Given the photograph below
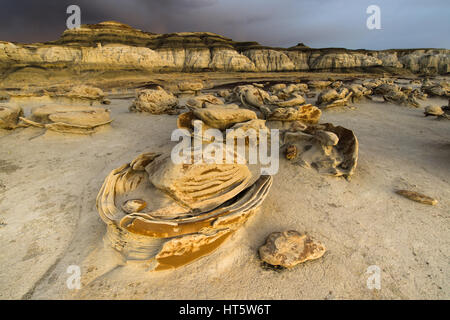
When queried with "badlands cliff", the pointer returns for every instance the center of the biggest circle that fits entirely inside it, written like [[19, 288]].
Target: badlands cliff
[[112, 46]]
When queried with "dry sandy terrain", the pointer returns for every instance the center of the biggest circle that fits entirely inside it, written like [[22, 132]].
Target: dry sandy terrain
[[48, 186]]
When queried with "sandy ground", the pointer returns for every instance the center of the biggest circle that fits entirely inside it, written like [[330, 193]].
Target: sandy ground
[[48, 220]]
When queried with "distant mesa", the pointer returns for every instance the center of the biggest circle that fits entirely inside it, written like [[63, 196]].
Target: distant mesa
[[115, 46]]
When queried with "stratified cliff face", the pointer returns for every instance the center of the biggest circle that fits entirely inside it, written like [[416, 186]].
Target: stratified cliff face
[[116, 46]]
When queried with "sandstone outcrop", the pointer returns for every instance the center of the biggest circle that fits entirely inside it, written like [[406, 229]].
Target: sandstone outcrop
[[192, 208], [9, 116], [113, 46]]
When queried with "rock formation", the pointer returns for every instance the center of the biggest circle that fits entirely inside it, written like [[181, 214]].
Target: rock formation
[[9, 116], [112, 46], [155, 101], [331, 150], [306, 113], [290, 248], [69, 119], [191, 209]]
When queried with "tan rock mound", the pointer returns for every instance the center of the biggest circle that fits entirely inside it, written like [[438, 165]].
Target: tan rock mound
[[9, 116], [290, 248], [201, 100], [191, 208], [359, 92], [439, 89], [297, 100], [223, 118], [155, 101], [395, 94], [251, 96], [306, 113], [433, 111], [69, 119], [319, 84], [334, 98], [86, 92], [190, 86]]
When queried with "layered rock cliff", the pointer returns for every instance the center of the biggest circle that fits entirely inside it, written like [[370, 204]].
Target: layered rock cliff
[[116, 46]]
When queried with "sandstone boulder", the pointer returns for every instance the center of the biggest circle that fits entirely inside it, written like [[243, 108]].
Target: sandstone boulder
[[155, 101], [306, 113], [190, 86], [433, 111], [201, 100], [223, 118], [69, 119], [290, 248]]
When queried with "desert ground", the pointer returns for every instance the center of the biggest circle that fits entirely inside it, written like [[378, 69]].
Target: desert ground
[[48, 219]]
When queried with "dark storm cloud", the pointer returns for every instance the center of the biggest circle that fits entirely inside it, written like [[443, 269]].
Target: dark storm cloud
[[326, 23]]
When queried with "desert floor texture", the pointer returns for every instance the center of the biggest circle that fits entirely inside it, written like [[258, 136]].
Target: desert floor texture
[[48, 220]]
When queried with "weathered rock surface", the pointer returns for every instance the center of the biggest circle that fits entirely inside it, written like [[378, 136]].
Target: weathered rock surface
[[9, 116], [201, 101], [116, 46], [306, 113], [334, 98], [223, 118], [69, 119], [155, 101], [190, 86], [418, 197], [290, 248], [433, 111], [331, 150], [192, 208], [86, 92]]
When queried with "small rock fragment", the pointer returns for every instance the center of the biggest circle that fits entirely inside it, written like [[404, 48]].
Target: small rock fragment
[[416, 196], [291, 152], [135, 205]]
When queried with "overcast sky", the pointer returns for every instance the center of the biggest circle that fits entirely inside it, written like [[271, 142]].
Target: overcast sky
[[284, 23]]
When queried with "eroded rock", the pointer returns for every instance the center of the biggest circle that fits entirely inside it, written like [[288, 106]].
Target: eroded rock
[[306, 113], [201, 100], [433, 111], [331, 150], [155, 101], [290, 248], [334, 98], [9, 116], [416, 196], [223, 118], [192, 208], [69, 119]]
